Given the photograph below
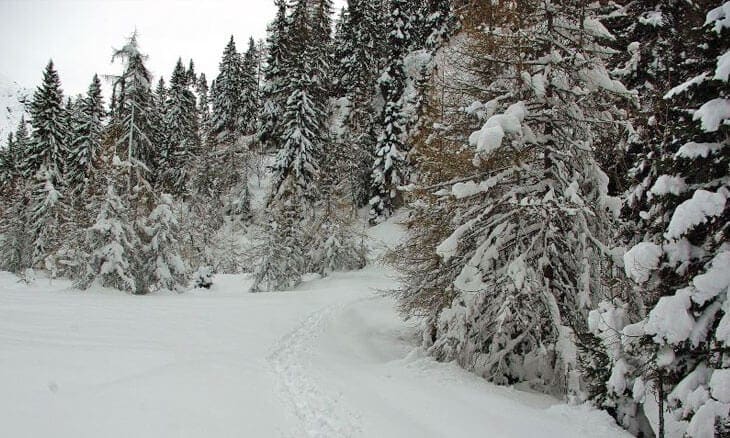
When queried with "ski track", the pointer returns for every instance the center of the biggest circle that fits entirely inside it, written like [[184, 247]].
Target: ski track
[[322, 414]]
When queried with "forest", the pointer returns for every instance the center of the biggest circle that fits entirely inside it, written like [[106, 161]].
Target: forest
[[561, 168]]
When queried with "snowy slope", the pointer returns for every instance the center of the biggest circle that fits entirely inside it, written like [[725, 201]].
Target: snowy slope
[[11, 106], [331, 359]]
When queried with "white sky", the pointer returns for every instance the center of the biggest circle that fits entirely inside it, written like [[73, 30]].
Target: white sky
[[79, 35]]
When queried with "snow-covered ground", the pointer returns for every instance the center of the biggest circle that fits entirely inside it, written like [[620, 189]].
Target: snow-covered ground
[[331, 359]]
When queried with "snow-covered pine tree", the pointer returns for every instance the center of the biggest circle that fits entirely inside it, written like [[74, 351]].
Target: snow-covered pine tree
[[47, 214], [15, 243], [182, 141], [191, 75], [47, 147], [159, 101], [87, 135], [647, 33], [525, 256], [683, 261], [13, 154], [320, 50], [296, 167], [357, 63], [7, 160], [227, 95], [134, 118], [274, 92], [162, 250], [204, 117], [440, 23], [389, 169], [282, 260], [15, 190], [113, 249], [250, 105]]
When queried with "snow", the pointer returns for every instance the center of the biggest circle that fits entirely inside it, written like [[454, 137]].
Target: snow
[[490, 137], [652, 18], [470, 188], [11, 106], [695, 150], [722, 72], [703, 421], [714, 281], [720, 385], [684, 86], [713, 113], [719, 17], [640, 260], [330, 359], [597, 29], [670, 320], [693, 212], [669, 184]]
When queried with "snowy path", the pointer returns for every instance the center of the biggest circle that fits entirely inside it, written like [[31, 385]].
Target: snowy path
[[321, 414], [329, 360]]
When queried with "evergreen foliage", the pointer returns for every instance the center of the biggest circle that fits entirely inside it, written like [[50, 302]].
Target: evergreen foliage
[[88, 131], [227, 94]]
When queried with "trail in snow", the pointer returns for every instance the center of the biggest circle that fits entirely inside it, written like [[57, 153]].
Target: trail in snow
[[331, 359], [322, 413]]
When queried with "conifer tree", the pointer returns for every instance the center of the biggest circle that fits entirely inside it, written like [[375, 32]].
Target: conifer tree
[[87, 137], [204, 121], [515, 242], [440, 23], [296, 167], [227, 97], [47, 147], [182, 141], [389, 169], [282, 256], [47, 214], [677, 352], [163, 249], [274, 92], [113, 254], [191, 75], [159, 101], [249, 90], [15, 189], [134, 117]]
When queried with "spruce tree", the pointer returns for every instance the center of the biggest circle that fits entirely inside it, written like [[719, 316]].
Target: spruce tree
[[87, 137], [182, 141], [161, 231], [296, 167], [47, 214], [389, 169], [203, 107], [113, 249], [282, 260], [135, 118], [274, 92], [159, 107], [227, 95], [47, 147], [678, 352], [249, 103]]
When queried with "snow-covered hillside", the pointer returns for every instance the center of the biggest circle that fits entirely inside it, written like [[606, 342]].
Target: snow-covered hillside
[[331, 359], [12, 108]]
